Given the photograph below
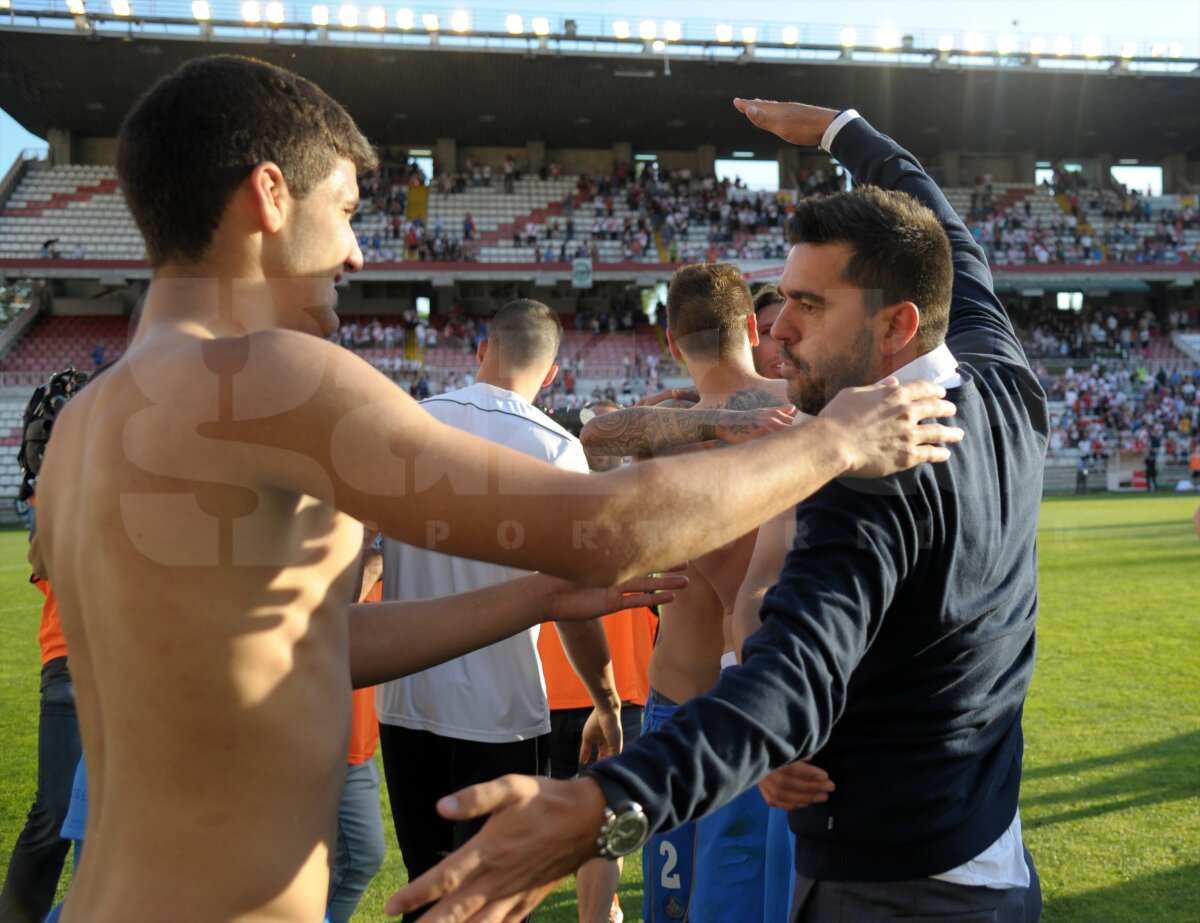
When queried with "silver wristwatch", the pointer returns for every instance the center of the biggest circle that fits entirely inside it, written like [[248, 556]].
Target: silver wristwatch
[[625, 825]]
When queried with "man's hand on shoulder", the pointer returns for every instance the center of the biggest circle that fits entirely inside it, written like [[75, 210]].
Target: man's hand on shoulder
[[795, 123], [879, 427]]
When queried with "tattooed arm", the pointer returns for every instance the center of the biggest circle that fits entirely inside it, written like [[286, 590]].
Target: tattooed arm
[[644, 431]]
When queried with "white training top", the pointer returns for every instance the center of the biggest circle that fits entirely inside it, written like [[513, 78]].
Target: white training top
[[496, 694]]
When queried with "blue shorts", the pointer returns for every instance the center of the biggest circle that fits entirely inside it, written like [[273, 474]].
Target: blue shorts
[[780, 878], [52, 916], [667, 858], [731, 853], [77, 812]]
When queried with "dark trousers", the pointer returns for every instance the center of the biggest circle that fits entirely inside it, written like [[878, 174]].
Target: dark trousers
[[421, 768], [925, 900], [39, 852]]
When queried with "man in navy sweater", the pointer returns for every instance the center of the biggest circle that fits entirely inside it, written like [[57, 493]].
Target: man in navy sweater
[[898, 644]]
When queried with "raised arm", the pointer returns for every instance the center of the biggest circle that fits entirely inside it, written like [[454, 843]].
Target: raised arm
[[977, 318]]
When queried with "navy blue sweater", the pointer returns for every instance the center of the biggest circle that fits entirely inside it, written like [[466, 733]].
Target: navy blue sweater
[[898, 645]]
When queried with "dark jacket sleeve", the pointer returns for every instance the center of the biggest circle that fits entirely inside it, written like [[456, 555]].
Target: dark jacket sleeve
[[783, 701], [979, 324]]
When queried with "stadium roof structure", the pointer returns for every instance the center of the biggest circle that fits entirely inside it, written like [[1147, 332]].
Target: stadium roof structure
[[84, 81]]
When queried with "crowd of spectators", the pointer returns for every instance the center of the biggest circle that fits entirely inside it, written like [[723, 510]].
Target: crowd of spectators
[[1112, 394], [651, 211], [1119, 406], [1093, 226], [1125, 333]]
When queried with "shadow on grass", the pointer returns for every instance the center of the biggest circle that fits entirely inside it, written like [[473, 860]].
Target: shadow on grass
[[1155, 773], [1166, 896]]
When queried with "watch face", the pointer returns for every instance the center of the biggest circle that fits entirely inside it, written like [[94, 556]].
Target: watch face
[[628, 832]]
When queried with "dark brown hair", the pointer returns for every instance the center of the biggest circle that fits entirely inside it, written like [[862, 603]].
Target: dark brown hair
[[198, 133], [766, 296], [900, 251], [707, 307], [527, 333]]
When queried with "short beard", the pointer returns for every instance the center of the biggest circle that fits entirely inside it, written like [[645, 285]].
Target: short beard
[[814, 388]]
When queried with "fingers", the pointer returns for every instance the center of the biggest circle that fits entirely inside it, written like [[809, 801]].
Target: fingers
[[651, 584], [637, 600], [938, 432], [797, 785], [932, 408], [481, 799], [443, 878]]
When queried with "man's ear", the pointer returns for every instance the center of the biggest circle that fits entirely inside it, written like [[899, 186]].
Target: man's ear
[[673, 347], [550, 375], [481, 349], [268, 196], [903, 320], [752, 328]]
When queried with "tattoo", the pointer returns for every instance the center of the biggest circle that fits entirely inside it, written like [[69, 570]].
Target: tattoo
[[752, 400], [646, 431]]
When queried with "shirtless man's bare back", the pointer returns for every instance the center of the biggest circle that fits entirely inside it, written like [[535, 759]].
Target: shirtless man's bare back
[[201, 506]]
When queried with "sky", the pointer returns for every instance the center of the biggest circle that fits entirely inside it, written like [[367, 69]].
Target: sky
[[1134, 20]]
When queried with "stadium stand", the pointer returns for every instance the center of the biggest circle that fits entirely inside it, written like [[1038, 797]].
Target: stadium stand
[[517, 185], [76, 212], [73, 211], [56, 343]]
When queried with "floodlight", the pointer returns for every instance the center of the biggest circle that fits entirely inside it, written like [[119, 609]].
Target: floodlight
[[659, 46], [121, 8], [973, 42], [251, 11], [460, 20], [1129, 50], [404, 19], [791, 35], [377, 17], [849, 37], [1006, 44], [201, 11], [1158, 50], [945, 43], [76, 7], [750, 35], [1037, 45], [431, 22], [541, 25], [1062, 46], [274, 13], [348, 15], [724, 33], [621, 29], [1092, 47], [672, 31], [5, 4], [320, 15], [1176, 49], [647, 30], [514, 24], [887, 38]]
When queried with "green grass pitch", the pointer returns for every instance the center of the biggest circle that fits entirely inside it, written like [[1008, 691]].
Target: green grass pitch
[[1111, 795]]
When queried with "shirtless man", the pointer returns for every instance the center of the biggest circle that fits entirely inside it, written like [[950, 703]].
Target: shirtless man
[[711, 869], [201, 506]]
